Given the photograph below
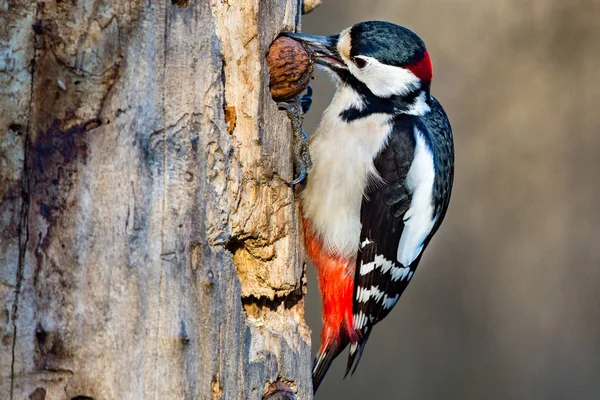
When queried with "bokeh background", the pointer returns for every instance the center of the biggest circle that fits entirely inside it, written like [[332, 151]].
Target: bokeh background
[[506, 303]]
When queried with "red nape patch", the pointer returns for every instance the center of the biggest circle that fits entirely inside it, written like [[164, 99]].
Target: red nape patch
[[336, 283], [422, 68]]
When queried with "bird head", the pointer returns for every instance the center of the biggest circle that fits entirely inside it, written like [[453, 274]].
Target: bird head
[[387, 65]]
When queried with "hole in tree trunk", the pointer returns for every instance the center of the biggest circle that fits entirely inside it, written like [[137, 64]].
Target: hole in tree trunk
[[38, 394], [16, 129], [181, 3]]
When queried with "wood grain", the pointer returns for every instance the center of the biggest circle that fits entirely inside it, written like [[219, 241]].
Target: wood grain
[[146, 252]]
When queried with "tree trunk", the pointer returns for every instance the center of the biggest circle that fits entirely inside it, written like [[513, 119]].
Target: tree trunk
[[150, 246]]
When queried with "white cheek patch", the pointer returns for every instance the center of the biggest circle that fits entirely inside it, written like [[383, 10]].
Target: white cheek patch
[[384, 80]]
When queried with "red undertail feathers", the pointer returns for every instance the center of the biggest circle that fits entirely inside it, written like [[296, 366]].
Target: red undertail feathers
[[336, 284]]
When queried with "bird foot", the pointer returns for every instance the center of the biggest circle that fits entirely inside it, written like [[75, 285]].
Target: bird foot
[[295, 110]]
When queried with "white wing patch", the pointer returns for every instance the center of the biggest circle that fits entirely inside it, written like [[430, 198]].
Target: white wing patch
[[418, 220]]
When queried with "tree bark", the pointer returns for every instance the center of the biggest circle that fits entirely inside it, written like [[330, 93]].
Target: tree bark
[[149, 244]]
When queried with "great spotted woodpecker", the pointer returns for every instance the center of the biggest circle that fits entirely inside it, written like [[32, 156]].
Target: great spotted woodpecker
[[380, 183]]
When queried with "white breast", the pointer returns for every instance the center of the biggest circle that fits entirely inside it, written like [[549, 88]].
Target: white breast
[[342, 155]]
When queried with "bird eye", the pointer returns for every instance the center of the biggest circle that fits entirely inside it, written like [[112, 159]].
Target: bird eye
[[359, 62]]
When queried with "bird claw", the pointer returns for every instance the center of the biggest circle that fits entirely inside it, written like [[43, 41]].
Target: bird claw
[[302, 175], [301, 154]]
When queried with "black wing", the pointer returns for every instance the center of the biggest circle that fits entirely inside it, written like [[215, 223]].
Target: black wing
[[443, 145], [380, 279]]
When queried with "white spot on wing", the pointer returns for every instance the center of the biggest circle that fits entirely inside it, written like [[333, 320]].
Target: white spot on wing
[[378, 262], [376, 293], [353, 347], [363, 295], [418, 220], [389, 302], [366, 268], [360, 294], [360, 320], [365, 243], [399, 273], [382, 262]]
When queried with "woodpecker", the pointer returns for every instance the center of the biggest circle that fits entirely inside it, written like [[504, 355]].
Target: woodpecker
[[380, 183]]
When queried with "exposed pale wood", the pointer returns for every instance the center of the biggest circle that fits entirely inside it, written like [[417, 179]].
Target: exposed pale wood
[[309, 5], [149, 248]]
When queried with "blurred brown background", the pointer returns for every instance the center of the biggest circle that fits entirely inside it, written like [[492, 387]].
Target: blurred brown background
[[506, 303]]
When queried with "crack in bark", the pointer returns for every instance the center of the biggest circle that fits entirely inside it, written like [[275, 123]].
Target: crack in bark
[[80, 71], [76, 69], [23, 233], [155, 139], [216, 384], [23, 229]]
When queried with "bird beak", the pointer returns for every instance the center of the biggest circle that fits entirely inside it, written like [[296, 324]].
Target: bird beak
[[323, 47]]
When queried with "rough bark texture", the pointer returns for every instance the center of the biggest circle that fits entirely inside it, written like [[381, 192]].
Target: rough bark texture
[[149, 245]]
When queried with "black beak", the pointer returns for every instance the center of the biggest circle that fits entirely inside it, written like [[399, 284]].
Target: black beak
[[324, 48]]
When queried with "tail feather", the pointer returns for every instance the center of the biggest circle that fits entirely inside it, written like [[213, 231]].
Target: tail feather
[[356, 350], [323, 361]]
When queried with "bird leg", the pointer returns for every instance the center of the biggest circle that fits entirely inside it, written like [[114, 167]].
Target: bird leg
[[295, 110]]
